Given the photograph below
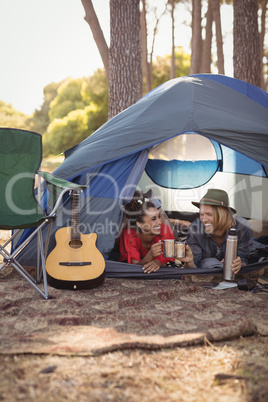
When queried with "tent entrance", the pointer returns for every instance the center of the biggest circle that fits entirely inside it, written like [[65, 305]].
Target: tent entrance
[[181, 169]]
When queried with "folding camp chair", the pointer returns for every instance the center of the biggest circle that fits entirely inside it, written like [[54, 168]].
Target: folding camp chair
[[20, 206]]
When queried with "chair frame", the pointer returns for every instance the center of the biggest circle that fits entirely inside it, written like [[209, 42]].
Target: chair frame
[[10, 258]]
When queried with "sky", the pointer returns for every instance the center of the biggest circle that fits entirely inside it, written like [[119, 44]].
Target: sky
[[44, 41]]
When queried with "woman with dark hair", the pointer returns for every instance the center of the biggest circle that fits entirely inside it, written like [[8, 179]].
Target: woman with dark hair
[[141, 242], [208, 233]]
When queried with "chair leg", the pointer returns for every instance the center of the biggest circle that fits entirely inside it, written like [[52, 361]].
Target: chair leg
[[10, 259], [43, 262], [28, 278], [42, 252]]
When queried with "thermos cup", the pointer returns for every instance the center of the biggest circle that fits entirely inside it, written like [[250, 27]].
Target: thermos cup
[[168, 248], [173, 249], [230, 255], [179, 249]]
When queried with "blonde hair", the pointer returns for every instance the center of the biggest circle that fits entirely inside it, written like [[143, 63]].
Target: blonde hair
[[223, 220]]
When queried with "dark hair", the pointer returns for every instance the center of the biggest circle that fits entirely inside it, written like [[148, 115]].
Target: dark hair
[[136, 209]]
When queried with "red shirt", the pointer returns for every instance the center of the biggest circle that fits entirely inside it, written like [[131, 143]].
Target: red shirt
[[132, 249]]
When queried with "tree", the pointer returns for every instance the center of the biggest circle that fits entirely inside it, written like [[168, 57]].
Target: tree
[[124, 55], [95, 89], [263, 4], [68, 98], [196, 37], [217, 19], [206, 48], [70, 130], [146, 65], [172, 66], [73, 128], [161, 67], [125, 73], [10, 117], [247, 57], [147, 56], [92, 20], [40, 119], [79, 108]]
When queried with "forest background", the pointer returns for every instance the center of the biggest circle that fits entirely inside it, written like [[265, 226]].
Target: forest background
[[74, 108]]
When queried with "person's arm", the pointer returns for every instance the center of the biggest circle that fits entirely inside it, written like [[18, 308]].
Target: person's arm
[[154, 251], [148, 262], [130, 247], [152, 266], [154, 258], [245, 240], [188, 259], [195, 247]]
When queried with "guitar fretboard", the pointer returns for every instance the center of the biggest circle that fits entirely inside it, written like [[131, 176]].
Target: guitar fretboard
[[75, 230]]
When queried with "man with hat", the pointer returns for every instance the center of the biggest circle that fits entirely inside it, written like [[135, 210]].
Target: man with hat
[[208, 233]]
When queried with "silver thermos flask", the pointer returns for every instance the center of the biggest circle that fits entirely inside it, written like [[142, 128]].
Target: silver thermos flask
[[230, 255]]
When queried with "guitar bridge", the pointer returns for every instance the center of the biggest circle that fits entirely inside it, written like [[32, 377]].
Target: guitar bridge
[[75, 263]]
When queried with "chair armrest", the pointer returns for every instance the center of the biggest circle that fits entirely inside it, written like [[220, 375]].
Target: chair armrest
[[56, 181], [59, 188]]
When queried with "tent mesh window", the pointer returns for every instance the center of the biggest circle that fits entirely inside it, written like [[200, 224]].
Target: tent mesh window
[[184, 162]]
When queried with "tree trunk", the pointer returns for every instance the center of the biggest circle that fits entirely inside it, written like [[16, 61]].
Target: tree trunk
[[196, 37], [262, 35], [125, 73], [146, 69], [247, 58], [172, 66], [157, 21], [217, 19], [206, 54], [92, 20]]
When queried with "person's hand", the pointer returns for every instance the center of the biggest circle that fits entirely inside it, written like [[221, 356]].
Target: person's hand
[[189, 257], [236, 265], [156, 249], [151, 266]]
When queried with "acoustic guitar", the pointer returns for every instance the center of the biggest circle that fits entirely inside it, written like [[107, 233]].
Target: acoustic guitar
[[75, 262]]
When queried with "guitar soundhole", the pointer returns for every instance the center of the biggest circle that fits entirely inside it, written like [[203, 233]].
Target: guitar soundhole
[[75, 243]]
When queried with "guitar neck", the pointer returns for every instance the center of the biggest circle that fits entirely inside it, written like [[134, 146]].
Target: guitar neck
[[75, 229]]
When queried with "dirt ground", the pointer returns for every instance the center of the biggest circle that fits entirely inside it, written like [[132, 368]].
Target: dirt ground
[[233, 371]]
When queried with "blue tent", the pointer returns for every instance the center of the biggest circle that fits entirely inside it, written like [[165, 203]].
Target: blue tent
[[231, 115]]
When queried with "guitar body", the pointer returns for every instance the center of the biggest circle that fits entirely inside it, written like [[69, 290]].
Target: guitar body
[[75, 263]]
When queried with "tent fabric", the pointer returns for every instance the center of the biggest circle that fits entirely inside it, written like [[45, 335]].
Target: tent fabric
[[123, 270], [235, 162], [227, 111], [205, 104], [111, 179]]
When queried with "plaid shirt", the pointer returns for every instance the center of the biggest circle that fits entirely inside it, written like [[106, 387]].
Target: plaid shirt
[[203, 245]]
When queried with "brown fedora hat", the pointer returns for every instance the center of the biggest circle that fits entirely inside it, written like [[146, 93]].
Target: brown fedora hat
[[215, 197]]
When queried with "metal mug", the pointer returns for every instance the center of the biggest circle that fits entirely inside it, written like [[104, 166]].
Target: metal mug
[[168, 248], [180, 251]]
